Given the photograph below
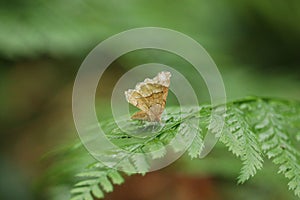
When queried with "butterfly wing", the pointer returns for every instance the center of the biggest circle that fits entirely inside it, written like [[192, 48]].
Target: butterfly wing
[[151, 99], [150, 96]]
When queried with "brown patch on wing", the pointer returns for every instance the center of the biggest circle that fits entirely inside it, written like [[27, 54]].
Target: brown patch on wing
[[141, 115], [146, 103]]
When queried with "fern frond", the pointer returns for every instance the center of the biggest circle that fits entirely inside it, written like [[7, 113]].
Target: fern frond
[[156, 148], [254, 128], [196, 147], [241, 140], [174, 133], [97, 179], [276, 141]]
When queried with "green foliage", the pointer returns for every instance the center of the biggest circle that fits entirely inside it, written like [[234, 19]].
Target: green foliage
[[97, 179], [241, 140], [277, 142], [254, 129]]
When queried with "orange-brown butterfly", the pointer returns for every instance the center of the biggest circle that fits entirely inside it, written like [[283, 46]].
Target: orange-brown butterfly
[[150, 97]]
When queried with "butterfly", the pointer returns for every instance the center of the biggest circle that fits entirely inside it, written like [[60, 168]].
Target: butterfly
[[150, 97]]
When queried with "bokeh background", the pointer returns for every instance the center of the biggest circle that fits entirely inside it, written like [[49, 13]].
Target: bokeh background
[[254, 43]]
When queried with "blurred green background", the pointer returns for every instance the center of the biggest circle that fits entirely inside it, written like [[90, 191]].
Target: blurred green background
[[254, 43]]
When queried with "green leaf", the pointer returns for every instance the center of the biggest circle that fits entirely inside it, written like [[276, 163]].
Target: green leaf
[[88, 196], [196, 147], [80, 190], [254, 130], [97, 192], [141, 163], [106, 184], [157, 149], [116, 177], [90, 174]]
